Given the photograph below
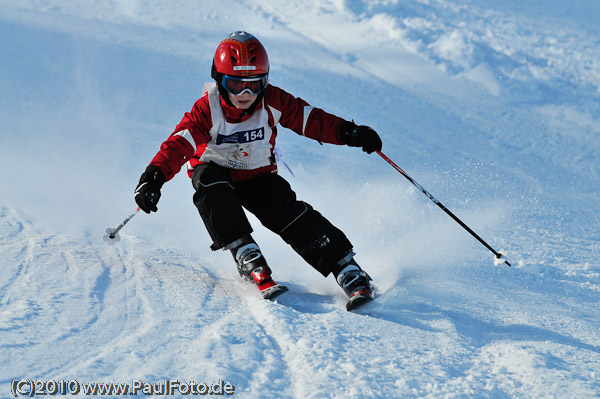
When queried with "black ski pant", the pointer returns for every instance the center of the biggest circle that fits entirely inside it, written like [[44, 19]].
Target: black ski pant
[[270, 198]]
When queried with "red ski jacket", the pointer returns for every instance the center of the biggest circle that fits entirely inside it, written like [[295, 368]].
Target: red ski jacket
[[199, 139]]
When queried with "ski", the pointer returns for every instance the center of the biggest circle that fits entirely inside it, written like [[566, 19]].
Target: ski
[[268, 288], [272, 291], [356, 301]]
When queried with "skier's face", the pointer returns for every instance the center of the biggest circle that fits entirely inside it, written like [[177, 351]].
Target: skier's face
[[243, 101]]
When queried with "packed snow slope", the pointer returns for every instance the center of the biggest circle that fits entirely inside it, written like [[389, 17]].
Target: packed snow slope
[[491, 106]]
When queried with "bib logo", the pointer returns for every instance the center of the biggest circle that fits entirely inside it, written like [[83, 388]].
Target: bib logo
[[238, 157], [242, 137]]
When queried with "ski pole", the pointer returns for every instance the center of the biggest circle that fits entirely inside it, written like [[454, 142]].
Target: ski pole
[[499, 257], [112, 235]]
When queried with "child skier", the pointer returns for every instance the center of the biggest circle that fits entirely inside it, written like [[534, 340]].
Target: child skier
[[228, 140]]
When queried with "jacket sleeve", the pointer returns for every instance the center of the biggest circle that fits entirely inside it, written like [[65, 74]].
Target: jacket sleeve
[[304, 119], [191, 132]]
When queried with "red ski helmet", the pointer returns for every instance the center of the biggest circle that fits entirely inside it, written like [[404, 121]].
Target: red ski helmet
[[240, 54]]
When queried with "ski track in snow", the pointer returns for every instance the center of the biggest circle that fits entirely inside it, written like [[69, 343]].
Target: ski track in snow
[[494, 108], [135, 312]]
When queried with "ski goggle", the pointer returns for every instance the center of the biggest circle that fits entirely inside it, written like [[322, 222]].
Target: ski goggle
[[237, 86]]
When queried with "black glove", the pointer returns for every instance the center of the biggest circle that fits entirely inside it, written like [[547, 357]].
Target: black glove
[[360, 136], [147, 192]]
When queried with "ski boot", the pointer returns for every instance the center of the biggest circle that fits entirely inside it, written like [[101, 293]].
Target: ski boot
[[252, 266], [355, 282]]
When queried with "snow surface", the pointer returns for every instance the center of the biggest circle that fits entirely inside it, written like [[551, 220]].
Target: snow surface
[[492, 106]]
